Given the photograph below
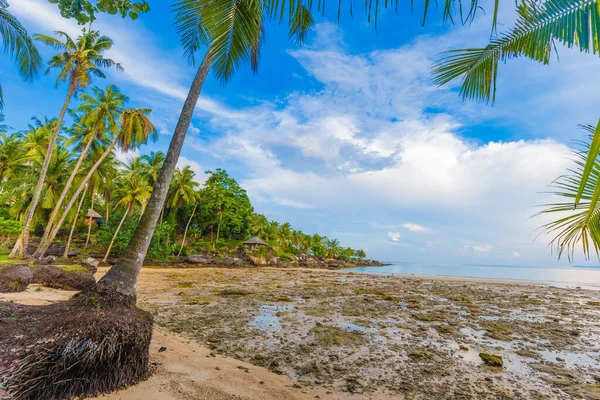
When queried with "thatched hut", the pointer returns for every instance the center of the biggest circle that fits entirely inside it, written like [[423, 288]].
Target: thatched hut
[[92, 216]]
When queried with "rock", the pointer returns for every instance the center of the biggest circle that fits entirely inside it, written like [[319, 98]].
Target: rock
[[91, 264], [55, 249], [420, 354], [63, 278], [491, 360], [198, 259], [46, 261], [14, 278]]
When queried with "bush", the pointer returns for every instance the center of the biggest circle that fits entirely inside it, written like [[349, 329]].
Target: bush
[[160, 246]]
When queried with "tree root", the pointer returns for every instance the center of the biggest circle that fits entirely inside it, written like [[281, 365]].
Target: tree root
[[72, 349]]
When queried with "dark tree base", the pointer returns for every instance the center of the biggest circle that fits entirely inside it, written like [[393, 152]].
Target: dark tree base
[[72, 349]]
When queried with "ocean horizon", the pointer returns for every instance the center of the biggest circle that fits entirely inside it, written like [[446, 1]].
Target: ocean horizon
[[587, 277]]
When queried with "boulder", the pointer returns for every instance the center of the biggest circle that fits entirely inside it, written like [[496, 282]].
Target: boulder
[[91, 264], [257, 260], [55, 249], [69, 278], [198, 259], [491, 359], [46, 260], [14, 278]]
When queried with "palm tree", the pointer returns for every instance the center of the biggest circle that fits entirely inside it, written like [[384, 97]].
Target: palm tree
[[183, 192], [233, 34], [77, 60], [66, 252], [12, 154], [332, 246], [135, 129], [258, 225], [153, 163], [19, 46], [573, 23], [134, 190], [285, 234], [99, 114]]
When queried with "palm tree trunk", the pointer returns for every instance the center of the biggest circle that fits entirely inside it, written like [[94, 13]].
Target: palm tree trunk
[[186, 229], [87, 240], [116, 234], [44, 246], [66, 253], [123, 276], [219, 226], [20, 249], [65, 190]]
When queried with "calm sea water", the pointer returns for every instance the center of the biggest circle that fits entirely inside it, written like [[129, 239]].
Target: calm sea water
[[558, 276]]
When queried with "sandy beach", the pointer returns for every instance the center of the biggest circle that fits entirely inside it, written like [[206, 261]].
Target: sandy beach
[[273, 333]]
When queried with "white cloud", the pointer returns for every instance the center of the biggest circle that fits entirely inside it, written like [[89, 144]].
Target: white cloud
[[394, 236], [415, 227], [476, 250], [516, 254], [194, 166]]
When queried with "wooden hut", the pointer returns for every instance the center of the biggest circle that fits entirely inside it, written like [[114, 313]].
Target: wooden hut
[[92, 216]]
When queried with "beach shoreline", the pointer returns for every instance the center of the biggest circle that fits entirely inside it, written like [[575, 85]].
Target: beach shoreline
[[338, 334]]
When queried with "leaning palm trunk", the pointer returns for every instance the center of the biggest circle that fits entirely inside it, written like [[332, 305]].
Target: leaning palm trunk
[[63, 195], [20, 249], [66, 253], [44, 246], [89, 233], [116, 234], [122, 278], [186, 229]]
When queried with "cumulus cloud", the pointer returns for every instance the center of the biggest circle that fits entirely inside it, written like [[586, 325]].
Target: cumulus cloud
[[394, 236]]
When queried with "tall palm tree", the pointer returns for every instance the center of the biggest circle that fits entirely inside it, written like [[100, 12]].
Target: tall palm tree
[[99, 113], [135, 128], [332, 246], [74, 222], [574, 23], [12, 154], [183, 192], [19, 46], [77, 61], [233, 33]]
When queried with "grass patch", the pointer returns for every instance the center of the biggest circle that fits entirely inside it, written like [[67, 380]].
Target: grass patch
[[185, 284]]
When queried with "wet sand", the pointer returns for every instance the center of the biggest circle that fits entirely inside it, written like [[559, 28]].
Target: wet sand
[[333, 334]]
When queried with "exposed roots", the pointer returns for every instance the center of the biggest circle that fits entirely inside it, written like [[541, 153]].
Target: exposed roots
[[72, 349]]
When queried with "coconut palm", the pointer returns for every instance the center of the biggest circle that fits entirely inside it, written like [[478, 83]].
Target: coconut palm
[[77, 61], [77, 213], [133, 191], [258, 225], [19, 46], [135, 128], [153, 163], [99, 113], [184, 191], [12, 154]]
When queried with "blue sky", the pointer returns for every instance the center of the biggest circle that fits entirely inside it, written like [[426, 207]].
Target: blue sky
[[347, 136]]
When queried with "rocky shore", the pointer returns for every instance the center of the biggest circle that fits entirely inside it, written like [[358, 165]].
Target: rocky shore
[[248, 260]]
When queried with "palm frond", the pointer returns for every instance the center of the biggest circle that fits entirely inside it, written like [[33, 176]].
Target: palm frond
[[579, 225], [301, 23], [19, 46], [234, 28], [575, 23], [190, 27]]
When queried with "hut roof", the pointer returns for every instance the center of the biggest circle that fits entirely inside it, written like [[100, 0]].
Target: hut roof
[[255, 241], [93, 214]]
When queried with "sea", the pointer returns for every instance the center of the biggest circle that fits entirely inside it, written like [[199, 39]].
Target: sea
[[575, 276]]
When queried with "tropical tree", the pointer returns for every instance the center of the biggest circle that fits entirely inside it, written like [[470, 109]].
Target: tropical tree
[[360, 254], [12, 154], [153, 162], [258, 225], [332, 248], [19, 46], [77, 61], [98, 114], [68, 245], [84, 11], [135, 128], [133, 191], [183, 192], [574, 23]]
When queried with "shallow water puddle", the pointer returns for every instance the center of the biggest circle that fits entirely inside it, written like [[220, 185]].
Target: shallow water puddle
[[571, 359], [268, 321]]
